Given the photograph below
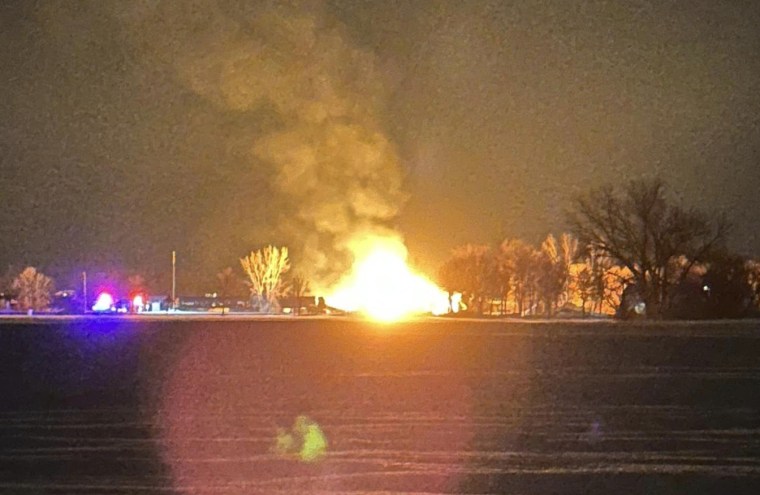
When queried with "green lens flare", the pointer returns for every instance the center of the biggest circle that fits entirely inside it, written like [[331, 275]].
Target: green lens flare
[[305, 441]]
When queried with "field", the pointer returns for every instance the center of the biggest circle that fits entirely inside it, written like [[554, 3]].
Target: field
[[209, 406]]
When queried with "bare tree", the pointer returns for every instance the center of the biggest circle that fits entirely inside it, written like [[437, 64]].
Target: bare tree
[[33, 289], [228, 283], [522, 261], [640, 229], [265, 268], [299, 287], [727, 283], [471, 271], [6, 279], [503, 278], [584, 286], [596, 283], [553, 265]]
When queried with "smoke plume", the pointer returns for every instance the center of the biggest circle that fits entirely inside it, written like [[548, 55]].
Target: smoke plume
[[334, 175]]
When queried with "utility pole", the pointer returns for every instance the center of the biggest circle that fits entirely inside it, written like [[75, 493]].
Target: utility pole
[[174, 279], [84, 292]]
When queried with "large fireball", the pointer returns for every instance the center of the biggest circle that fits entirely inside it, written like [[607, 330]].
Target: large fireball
[[383, 287]]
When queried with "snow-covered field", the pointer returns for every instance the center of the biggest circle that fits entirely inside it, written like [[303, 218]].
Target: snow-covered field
[[218, 406]]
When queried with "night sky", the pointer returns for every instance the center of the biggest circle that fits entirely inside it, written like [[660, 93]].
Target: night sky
[[130, 129]]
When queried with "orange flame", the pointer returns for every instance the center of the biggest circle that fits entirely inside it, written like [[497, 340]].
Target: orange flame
[[382, 286]]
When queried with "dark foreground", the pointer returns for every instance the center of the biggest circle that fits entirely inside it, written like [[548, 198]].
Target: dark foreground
[[118, 407]]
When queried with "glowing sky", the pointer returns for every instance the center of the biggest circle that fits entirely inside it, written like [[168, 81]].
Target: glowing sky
[[498, 113]]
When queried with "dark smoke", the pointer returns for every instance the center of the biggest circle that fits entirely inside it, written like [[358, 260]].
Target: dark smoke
[[334, 175]]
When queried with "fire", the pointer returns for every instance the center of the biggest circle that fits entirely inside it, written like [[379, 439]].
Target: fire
[[382, 286]]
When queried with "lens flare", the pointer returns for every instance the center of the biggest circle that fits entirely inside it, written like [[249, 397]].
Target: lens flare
[[382, 286], [305, 441]]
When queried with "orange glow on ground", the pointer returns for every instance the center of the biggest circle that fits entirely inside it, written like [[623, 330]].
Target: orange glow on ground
[[382, 286]]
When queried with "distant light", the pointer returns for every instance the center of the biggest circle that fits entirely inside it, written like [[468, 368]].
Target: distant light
[[706, 288], [138, 302], [104, 302], [640, 308], [456, 302]]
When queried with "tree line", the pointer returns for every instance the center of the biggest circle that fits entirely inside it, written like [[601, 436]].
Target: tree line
[[267, 270], [632, 251]]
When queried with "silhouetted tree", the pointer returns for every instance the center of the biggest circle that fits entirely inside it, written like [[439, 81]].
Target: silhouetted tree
[[6, 279], [727, 286], [299, 287], [503, 277], [584, 286], [522, 259], [597, 280], [640, 229], [33, 289], [553, 264], [471, 270], [228, 283]]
